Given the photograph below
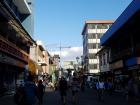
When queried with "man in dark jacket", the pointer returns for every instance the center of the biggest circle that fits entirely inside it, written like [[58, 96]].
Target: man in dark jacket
[[63, 89]]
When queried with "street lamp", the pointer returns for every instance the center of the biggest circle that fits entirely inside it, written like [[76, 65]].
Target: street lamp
[[77, 59]]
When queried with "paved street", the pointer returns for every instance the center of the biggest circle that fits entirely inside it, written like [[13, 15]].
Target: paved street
[[86, 98]]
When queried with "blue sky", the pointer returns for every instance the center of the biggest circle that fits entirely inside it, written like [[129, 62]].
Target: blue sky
[[63, 20]]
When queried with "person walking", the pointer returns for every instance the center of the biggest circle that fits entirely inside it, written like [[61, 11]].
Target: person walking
[[19, 95], [83, 83], [63, 89], [100, 89], [30, 91], [75, 86], [40, 92]]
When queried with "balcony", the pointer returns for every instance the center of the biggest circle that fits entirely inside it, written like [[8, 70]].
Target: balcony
[[42, 63]]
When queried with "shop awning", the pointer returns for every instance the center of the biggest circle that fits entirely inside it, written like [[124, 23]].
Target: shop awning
[[132, 9]]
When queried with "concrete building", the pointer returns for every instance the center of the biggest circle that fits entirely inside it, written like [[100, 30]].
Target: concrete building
[[123, 41], [92, 32], [40, 56], [28, 23], [15, 42]]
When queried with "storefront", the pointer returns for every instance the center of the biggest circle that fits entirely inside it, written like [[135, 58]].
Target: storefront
[[12, 63]]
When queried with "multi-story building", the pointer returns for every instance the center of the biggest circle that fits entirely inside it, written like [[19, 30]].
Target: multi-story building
[[15, 42], [28, 23], [39, 55], [104, 57], [92, 32], [123, 41]]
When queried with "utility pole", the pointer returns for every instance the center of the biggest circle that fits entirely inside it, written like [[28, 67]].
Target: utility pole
[[61, 47]]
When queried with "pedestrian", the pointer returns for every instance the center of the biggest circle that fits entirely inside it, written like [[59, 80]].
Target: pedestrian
[[63, 90], [75, 86], [100, 89], [83, 83], [19, 95], [30, 91], [110, 87], [40, 92]]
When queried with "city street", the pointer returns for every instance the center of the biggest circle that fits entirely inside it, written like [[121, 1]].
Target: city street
[[85, 98]]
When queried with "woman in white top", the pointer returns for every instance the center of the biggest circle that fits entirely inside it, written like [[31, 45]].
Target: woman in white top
[[100, 88]]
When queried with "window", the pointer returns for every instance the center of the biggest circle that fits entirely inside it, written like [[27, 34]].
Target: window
[[95, 66], [109, 25], [102, 26], [99, 35], [101, 60], [107, 56], [98, 45], [91, 66], [91, 36], [92, 45], [91, 26], [92, 56], [104, 61]]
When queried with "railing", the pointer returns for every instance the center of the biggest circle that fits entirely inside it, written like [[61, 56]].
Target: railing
[[12, 49]]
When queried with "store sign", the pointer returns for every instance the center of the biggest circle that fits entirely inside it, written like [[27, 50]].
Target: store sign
[[116, 65], [5, 59], [12, 50]]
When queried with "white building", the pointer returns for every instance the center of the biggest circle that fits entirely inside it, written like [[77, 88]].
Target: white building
[[92, 32]]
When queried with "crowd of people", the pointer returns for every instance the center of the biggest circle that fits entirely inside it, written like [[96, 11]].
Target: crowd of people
[[74, 84], [32, 92], [130, 88]]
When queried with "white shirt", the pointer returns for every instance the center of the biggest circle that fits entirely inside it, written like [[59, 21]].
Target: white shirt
[[100, 85]]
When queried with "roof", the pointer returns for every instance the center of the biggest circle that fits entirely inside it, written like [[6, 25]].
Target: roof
[[95, 22], [122, 19]]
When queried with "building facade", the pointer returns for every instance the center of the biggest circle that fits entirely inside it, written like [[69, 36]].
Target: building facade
[[39, 55], [28, 23], [123, 41], [15, 42], [92, 32]]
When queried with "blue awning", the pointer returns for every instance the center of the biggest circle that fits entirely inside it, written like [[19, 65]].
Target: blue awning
[[122, 19]]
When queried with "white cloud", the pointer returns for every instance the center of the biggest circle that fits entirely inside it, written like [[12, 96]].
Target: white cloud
[[69, 54]]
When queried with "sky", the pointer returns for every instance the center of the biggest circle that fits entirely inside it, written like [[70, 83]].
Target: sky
[[60, 22]]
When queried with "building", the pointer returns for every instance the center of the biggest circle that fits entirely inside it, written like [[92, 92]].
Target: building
[[40, 56], [104, 57], [28, 23], [92, 32], [68, 65], [15, 42], [123, 41]]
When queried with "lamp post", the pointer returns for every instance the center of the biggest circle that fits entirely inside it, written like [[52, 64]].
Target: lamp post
[[77, 59]]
